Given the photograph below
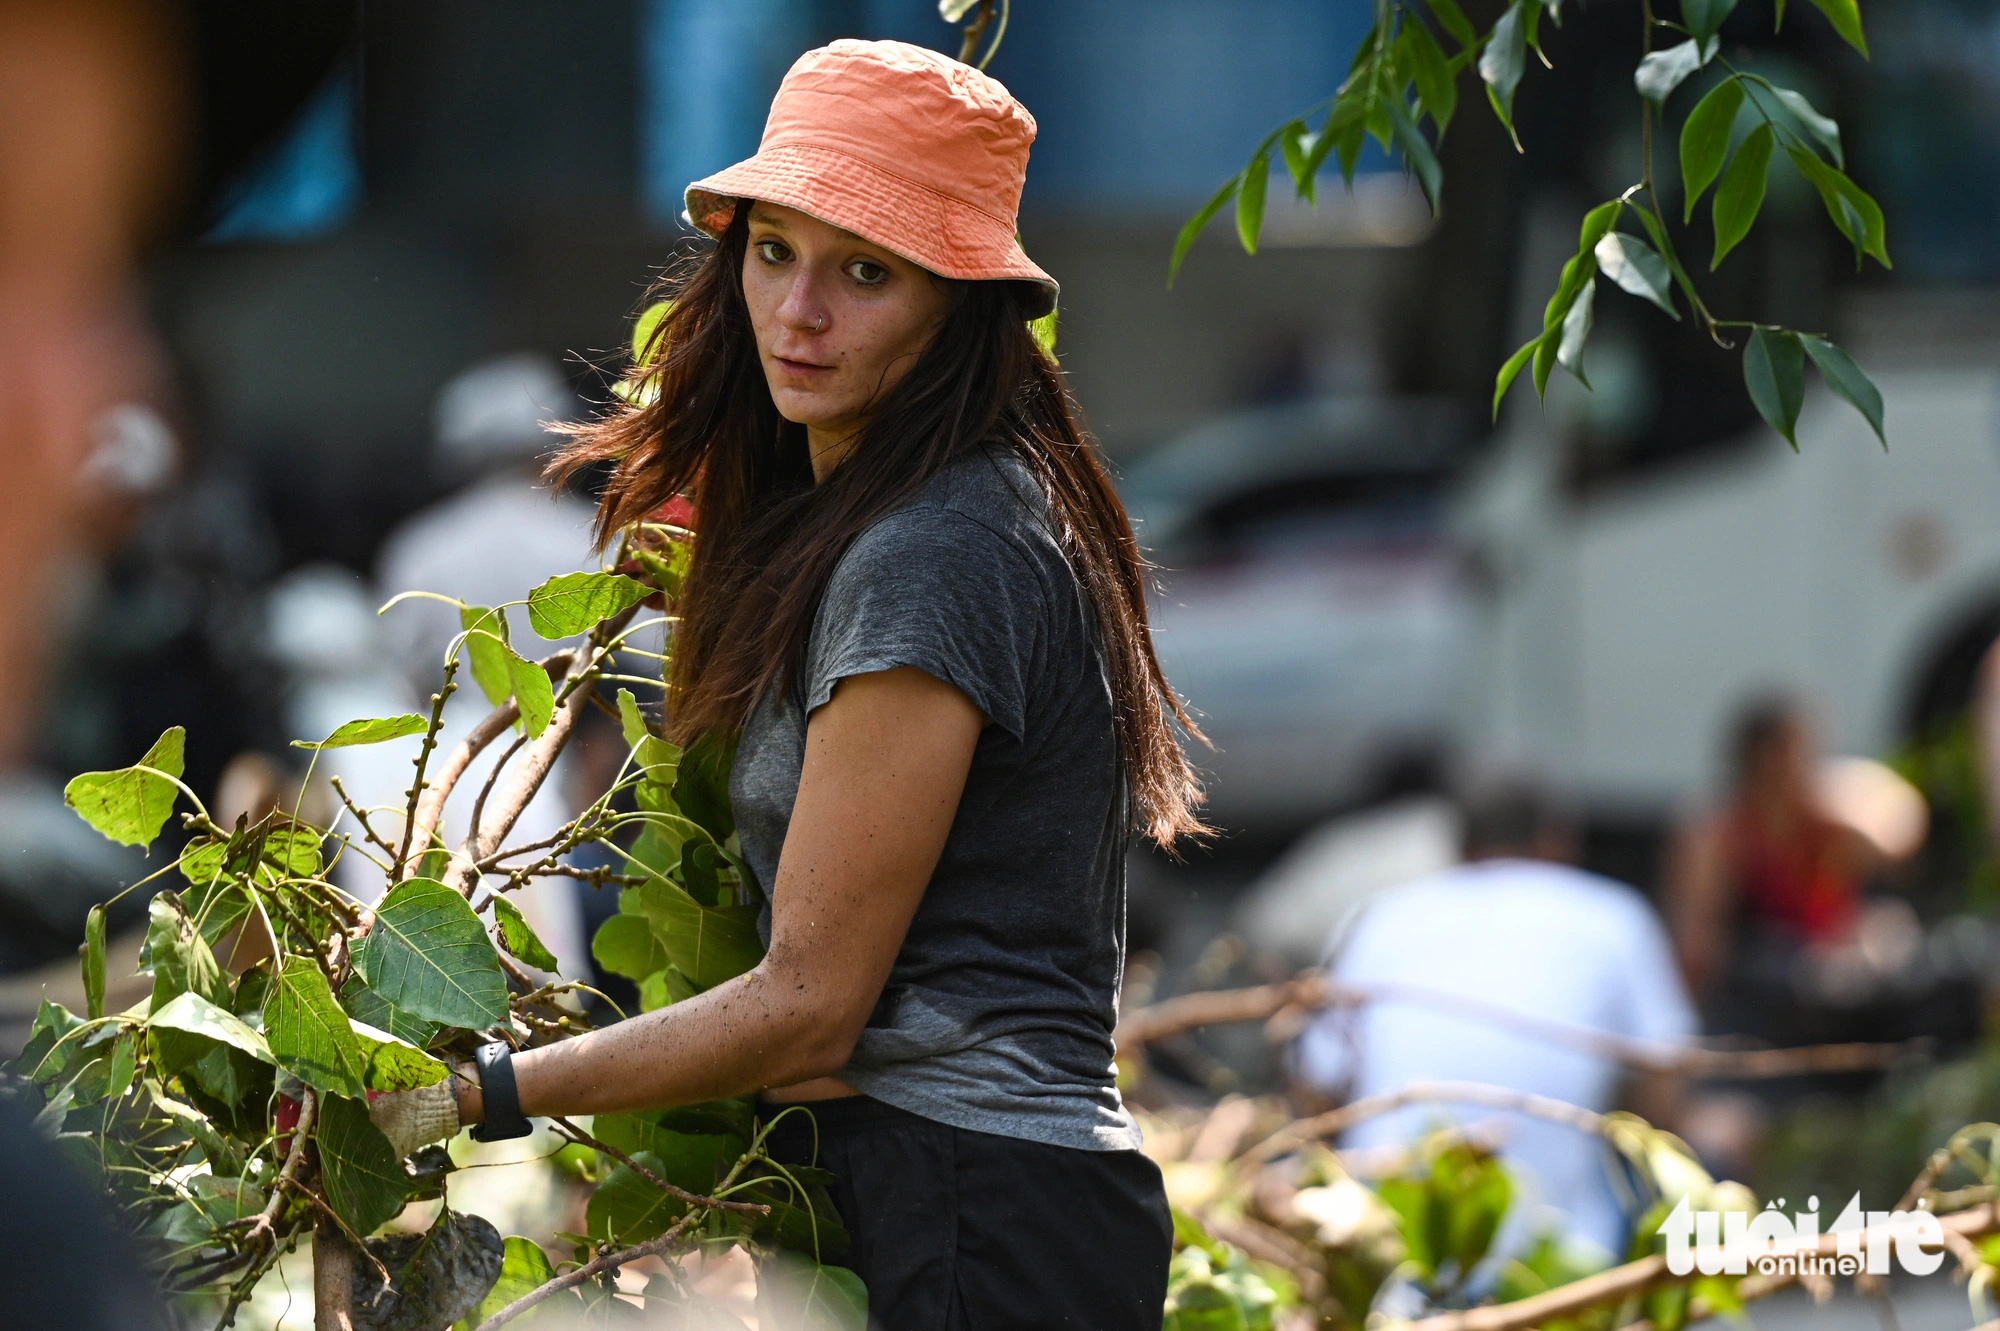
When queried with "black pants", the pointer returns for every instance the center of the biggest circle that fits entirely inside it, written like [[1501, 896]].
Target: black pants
[[966, 1231]]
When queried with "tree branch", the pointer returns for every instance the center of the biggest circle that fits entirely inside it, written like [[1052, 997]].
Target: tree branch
[[1311, 990], [582, 1138], [416, 791]]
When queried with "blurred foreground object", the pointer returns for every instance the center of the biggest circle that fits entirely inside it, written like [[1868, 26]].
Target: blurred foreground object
[[92, 113], [1519, 928]]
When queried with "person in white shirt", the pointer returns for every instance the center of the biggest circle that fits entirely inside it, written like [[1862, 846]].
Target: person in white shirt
[[1516, 927]]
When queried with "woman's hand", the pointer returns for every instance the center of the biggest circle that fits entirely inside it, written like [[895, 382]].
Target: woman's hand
[[885, 763]]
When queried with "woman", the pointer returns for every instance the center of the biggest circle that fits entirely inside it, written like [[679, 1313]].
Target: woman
[[917, 596]]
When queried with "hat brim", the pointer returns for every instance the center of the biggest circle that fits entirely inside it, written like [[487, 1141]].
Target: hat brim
[[950, 238]]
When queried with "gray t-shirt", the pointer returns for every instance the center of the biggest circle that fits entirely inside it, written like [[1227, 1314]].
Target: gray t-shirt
[[997, 1015]]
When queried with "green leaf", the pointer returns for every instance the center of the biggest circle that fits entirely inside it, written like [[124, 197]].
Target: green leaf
[[1250, 201], [1704, 17], [656, 758], [1705, 139], [701, 784], [132, 804], [181, 958], [520, 940], [429, 955], [1043, 330], [1857, 215], [1418, 52], [365, 1182], [366, 1006], [1597, 223], [1637, 268], [1774, 372], [575, 603], [1845, 15], [532, 691], [1454, 22], [1292, 140], [309, 1033], [643, 329], [707, 944], [486, 651], [192, 1015], [1416, 151], [39, 1058], [1663, 71], [625, 945], [1576, 331], [795, 1291], [1741, 193], [1820, 127], [1847, 381], [394, 1064], [523, 1269], [375, 730], [1500, 64], [627, 1208], [1505, 379], [93, 962], [1195, 225]]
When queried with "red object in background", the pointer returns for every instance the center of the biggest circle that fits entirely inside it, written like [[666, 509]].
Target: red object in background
[[676, 512], [287, 1120]]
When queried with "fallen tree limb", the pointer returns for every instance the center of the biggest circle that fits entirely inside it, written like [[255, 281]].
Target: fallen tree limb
[[1312, 990]]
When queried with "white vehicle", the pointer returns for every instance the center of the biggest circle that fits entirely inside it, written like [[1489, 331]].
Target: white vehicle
[[1339, 597]]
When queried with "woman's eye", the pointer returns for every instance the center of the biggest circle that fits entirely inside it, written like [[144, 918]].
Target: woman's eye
[[771, 251], [866, 273]]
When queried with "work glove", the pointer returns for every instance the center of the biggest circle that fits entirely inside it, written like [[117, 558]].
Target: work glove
[[415, 1119]]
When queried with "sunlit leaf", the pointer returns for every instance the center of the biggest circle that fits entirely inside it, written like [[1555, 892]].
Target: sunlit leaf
[[1250, 201], [625, 945], [533, 692], [656, 758], [429, 955], [524, 1267], [708, 945], [374, 730], [93, 962], [1637, 268], [394, 1064], [1508, 372], [1043, 330], [1195, 225], [132, 804], [1774, 372], [575, 603], [310, 1035], [643, 328], [191, 1014], [366, 1006], [1705, 139], [182, 960], [1741, 193], [485, 650], [520, 940], [1847, 381]]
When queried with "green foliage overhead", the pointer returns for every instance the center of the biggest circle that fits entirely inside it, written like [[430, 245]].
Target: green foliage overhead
[[131, 805], [1401, 76], [309, 1034]]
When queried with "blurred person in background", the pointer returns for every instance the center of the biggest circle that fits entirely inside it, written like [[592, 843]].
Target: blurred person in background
[[1516, 927], [493, 540]]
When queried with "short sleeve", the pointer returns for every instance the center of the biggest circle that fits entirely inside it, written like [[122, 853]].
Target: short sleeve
[[941, 591], [1660, 1010]]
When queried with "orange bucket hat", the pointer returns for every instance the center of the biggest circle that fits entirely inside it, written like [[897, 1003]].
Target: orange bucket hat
[[904, 147]]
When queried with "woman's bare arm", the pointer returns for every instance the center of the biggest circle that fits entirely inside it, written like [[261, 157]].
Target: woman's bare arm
[[886, 761]]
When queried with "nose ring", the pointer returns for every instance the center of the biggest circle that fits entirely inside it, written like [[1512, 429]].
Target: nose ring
[[821, 325]]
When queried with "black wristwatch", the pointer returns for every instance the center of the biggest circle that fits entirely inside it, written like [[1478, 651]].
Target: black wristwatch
[[502, 1119]]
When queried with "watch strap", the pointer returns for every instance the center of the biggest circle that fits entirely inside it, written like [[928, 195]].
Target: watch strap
[[502, 1119]]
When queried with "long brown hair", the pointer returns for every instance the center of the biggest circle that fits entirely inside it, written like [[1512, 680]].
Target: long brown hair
[[768, 537]]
